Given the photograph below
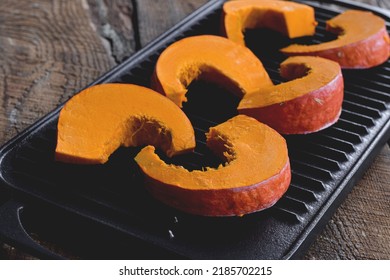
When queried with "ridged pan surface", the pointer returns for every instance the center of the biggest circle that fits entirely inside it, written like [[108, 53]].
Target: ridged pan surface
[[325, 165]]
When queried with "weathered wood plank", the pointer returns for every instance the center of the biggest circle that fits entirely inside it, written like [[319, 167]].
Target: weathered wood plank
[[379, 3], [360, 228], [113, 21], [156, 16], [48, 50]]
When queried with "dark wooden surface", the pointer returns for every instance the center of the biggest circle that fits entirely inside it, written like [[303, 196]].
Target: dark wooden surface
[[50, 49]]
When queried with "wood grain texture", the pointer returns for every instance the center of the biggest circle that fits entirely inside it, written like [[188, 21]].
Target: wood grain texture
[[360, 228], [113, 21], [157, 16], [379, 3], [50, 49]]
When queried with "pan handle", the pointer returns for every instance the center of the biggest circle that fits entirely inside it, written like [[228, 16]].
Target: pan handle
[[13, 232]]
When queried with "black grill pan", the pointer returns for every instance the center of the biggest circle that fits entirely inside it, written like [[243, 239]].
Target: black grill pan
[[325, 165]]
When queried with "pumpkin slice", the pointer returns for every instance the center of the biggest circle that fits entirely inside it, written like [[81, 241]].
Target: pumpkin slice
[[309, 102], [95, 122], [289, 18], [212, 58], [256, 175], [362, 42]]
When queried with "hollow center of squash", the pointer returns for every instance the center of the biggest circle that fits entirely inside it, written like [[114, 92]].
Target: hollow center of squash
[[269, 19], [294, 71], [221, 146], [336, 30], [143, 130], [216, 153], [205, 72]]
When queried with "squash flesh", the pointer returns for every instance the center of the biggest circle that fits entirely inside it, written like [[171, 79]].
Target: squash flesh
[[257, 168], [310, 101], [98, 120], [210, 58], [304, 75], [289, 18], [362, 42]]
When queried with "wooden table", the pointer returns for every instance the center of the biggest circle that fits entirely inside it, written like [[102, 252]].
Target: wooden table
[[49, 49]]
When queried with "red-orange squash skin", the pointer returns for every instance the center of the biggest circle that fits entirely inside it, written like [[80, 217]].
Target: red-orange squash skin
[[255, 175], [309, 101], [369, 52], [223, 202], [306, 114]]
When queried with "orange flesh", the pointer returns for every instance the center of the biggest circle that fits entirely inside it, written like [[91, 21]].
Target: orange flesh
[[95, 122], [305, 74], [210, 58], [289, 18], [253, 151], [351, 27]]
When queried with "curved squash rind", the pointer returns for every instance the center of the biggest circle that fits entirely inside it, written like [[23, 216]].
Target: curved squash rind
[[306, 114], [256, 175], [314, 110], [223, 202], [350, 50]]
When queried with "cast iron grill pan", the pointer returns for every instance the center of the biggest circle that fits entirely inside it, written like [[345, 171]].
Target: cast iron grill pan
[[325, 165]]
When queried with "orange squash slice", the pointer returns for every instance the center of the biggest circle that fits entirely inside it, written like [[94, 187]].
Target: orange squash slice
[[362, 42], [256, 175], [212, 58], [95, 122], [310, 101], [289, 18]]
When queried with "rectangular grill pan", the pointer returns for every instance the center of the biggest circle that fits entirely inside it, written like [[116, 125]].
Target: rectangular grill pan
[[325, 165]]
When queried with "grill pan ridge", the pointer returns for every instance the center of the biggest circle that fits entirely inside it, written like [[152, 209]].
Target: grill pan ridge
[[325, 165]]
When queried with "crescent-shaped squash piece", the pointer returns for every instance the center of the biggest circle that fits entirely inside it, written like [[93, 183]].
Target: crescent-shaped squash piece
[[256, 173], [95, 122], [289, 18], [362, 42], [310, 101], [212, 58]]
